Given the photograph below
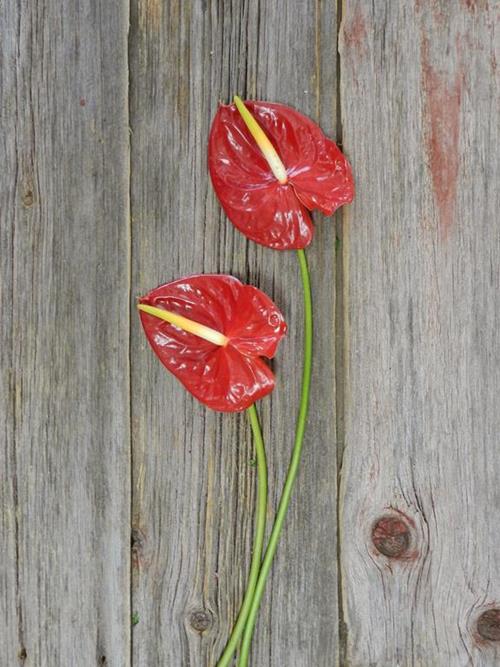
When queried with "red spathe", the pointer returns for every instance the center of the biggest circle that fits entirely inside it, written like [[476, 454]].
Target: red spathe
[[272, 214], [230, 378]]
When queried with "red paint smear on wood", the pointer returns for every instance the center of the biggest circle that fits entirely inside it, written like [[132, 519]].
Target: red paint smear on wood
[[472, 5], [355, 31], [435, 8], [442, 110]]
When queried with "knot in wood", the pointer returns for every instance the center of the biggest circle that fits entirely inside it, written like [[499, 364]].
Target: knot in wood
[[28, 198], [391, 536], [488, 625], [200, 620], [137, 543]]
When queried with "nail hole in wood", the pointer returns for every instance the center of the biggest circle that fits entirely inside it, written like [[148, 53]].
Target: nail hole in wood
[[488, 625], [391, 536], [22, 655], [200, 620]]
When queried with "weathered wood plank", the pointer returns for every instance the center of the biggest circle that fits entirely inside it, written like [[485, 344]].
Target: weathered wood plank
[[420, 100], [193, 489], [64, 288]]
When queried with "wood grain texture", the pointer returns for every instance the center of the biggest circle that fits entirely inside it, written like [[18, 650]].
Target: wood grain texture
[[193, 483], [420, 100], [417, 308], [64, 400]]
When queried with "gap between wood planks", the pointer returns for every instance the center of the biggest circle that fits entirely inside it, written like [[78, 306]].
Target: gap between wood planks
[[131, 314], [341, 283]]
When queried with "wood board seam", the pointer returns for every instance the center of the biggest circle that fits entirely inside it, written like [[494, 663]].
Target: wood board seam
[[131, 310], [340, 357]]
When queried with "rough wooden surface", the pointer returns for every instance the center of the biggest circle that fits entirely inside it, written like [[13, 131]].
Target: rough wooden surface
[[64, 395], [420, 102], [123, 500], [193, 484]]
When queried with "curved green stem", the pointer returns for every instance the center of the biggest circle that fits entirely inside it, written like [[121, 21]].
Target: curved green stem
[[260, 529], [293, 467]]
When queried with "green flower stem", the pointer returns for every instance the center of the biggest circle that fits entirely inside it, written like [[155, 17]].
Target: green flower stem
[[293, 467], [260, 529]]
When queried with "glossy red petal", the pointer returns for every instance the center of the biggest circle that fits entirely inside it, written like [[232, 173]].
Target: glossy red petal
[[326, 183], [319, 174], [265, 211], [231, 381], [227, 378], [273, 217], [257, 326], [316, 167]]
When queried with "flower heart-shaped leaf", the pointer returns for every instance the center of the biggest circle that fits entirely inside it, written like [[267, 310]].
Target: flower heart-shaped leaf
[[229, 376], [267, 210]]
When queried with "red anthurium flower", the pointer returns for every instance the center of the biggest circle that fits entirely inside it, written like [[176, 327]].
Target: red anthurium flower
[[269, 164], [211, 331]]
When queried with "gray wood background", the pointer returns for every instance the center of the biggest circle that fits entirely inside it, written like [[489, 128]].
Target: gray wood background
[[127, 507]]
